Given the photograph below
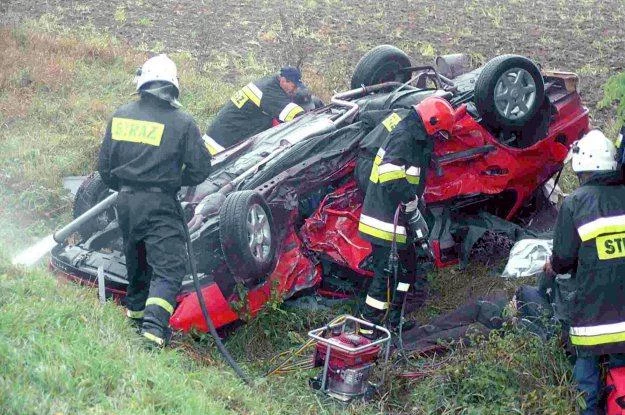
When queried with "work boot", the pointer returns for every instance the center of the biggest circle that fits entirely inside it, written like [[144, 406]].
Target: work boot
[[135, 318], [394, 318], [368, 332], [156, 337]]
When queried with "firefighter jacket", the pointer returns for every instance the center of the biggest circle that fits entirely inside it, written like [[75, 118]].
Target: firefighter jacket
[[250, 111], [374, 140], [589, 243], [149, 143], [397, 176]]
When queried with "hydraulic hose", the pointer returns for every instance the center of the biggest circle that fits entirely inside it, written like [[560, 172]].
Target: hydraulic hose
[[209, 322]]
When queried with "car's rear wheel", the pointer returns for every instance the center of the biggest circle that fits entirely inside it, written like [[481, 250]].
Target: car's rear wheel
[[91, 191], [247, 236], [509, 91], [383, 63]]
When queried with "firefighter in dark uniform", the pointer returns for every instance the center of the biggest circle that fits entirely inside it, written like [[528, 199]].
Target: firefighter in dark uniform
[[371, 143], [397, 176], [150, 149], [253, 108], [589, 243]]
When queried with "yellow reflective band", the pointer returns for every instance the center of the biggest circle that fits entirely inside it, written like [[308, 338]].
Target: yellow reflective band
[[161, 303], [380, 234], [598, 339], [136, 131], [153, 338], [290, 111], [212, 150], [403, 287], [380, 305], [251, 92], [601, 226], [373, 177], [392, 175], [365, 331], [135, 314], [413, 179], [212, 145], [618, 141], [391, 121], [239, 98], [611, 246], [597, 335]]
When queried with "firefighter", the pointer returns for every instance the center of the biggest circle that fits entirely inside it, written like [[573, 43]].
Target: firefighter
[[254, 108], [589, 243], [372, 142], [150, 149], [397, 176]]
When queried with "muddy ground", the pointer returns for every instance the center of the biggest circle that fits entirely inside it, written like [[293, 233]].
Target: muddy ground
[[329, 36]]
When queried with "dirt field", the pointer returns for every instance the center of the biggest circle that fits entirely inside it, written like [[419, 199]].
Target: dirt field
[[329, 36]]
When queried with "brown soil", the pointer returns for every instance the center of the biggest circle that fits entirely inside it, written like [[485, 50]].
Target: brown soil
[[331, 35]]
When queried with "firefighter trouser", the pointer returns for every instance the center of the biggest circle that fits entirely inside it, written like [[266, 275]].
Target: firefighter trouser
[[385, 295], [154, 245]]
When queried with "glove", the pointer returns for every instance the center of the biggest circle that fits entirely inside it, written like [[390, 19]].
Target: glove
[[412, 205]]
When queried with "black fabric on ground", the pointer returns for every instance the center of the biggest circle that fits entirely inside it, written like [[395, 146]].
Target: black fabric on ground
[[479, 315]]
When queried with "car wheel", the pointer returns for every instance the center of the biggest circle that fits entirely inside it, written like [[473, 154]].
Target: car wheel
[[246, 235], [91, 191], [381, 64], [509, 91]]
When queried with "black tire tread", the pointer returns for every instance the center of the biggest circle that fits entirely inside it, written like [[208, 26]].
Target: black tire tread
[[88, 195], [372, 59]]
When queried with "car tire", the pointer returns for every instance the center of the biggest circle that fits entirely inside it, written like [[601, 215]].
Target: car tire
[[247, 235], [381, 64], [90, 192], [509, 91]]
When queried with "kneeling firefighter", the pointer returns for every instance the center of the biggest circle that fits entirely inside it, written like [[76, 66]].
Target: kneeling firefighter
[[397, 177], [150, 149]]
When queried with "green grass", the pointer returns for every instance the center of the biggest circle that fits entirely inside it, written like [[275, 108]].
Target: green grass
[[57, 92], [614, 96]]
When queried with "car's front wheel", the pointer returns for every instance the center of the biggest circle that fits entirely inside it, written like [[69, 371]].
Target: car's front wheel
[[247, 236]]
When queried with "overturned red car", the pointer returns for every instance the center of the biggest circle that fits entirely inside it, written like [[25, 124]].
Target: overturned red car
[[281, 208]]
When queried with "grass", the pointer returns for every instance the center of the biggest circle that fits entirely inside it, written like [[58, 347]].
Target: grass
[[56, 94], [68, 354]]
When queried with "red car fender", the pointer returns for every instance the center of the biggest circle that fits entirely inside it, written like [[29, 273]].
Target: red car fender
[[188, 314]]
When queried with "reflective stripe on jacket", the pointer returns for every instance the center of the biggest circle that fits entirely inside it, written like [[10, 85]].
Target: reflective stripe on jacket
[[589, 242], [397, 176]]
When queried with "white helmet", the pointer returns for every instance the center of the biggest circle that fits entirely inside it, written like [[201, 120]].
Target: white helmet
[[593, 152], [158, 68]]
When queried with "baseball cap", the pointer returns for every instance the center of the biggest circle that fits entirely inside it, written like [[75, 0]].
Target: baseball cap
[[292, 74]]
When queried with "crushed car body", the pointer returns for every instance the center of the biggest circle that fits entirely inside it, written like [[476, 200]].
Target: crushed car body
[[281, 205]]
